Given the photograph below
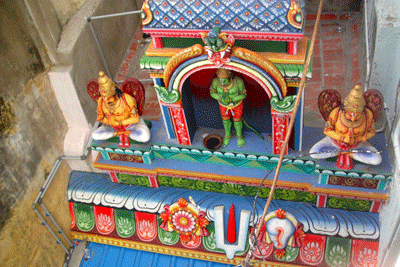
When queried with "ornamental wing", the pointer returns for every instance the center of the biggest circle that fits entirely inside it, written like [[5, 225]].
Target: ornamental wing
[[135, 88], [374, 102], [327, 101], [93, 89]]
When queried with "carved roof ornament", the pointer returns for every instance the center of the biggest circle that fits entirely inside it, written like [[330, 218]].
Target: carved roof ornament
[[218, 46]]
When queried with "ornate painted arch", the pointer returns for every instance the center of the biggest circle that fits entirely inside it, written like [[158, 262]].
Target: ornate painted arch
[[192, 59]]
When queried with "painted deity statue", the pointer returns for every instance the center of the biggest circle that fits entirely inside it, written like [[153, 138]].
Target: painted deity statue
[[348, 128], [230, 91], [119, 115]]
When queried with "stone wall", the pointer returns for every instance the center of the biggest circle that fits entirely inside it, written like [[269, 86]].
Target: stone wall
[[32, 131], [35, 38], [31, 125]]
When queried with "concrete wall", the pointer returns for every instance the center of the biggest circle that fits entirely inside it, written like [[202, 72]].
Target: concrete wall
[[66, 9], [37, 37], [28, 107], [385, 75], [78, 48], [32, 131]]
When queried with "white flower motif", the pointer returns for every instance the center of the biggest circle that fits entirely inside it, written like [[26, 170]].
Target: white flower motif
[[83, 220], [146, 229], [337, 255], [105, 223], [312, 252], [367, 257], [125, 226], [183, 221]]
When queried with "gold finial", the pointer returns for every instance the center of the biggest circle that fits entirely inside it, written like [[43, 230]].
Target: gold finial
[[106, 85], [355, 102], [224, 73]]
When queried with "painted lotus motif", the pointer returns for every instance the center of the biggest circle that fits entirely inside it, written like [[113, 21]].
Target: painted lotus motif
[[336, 256], [367, 257], [312, 252], [105, 224], [146, 229], [104, 219], [185, 219], [146, 225]]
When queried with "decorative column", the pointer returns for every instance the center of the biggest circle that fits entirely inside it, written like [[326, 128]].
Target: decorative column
[[172, 101], [280, 124], [281, 112], [181, 130]]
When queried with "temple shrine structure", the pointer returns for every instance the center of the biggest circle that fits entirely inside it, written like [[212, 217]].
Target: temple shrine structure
[[194, 194]]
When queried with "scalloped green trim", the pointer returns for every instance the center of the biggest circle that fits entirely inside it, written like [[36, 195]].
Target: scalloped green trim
[[284, 106], [166, 96], [153, 63]]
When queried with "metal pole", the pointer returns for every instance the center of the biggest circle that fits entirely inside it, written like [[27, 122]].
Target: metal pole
[[51, 231], [99, 47], [115, 15], [140, 80], [56, 224], [291, 124]]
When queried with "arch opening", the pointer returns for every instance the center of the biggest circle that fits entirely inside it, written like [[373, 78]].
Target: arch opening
[[202, 112]]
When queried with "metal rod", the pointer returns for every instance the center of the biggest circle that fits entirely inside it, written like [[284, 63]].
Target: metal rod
[[48, 181], [115, 15], [46, 185], [291, 124], [56, 224], [140, 80], [99, 48], [367, 53], [51, 231]]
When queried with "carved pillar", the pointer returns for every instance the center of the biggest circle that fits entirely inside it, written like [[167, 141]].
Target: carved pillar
[[280, 125], [181, 130], [281, 111]]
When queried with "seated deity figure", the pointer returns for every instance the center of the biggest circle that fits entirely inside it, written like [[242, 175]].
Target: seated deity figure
[[119, 115], [230, 91], [347, 130]]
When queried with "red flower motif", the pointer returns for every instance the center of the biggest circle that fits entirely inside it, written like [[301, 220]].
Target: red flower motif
[[183, 221], [281, 214], [186, 238], [298, 236], [279, 253], [182, 203], [165, 218]]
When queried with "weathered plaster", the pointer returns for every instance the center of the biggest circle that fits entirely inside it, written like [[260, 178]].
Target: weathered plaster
[[385, 76], [65, 9], [77, 46]]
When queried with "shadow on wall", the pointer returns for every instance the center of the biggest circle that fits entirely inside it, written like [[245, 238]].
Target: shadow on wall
[[333, 6]]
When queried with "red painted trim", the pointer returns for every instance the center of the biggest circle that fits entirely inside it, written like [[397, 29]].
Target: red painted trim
[[157, 41], [323, 17], [321, 201], [113, 177], [72, 211], [180, 126], [154, 181], [271, 36], [280, 123], [375, 206], [292, 48]]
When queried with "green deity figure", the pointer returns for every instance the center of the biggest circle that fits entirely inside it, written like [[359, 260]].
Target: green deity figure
[[229, 91]]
